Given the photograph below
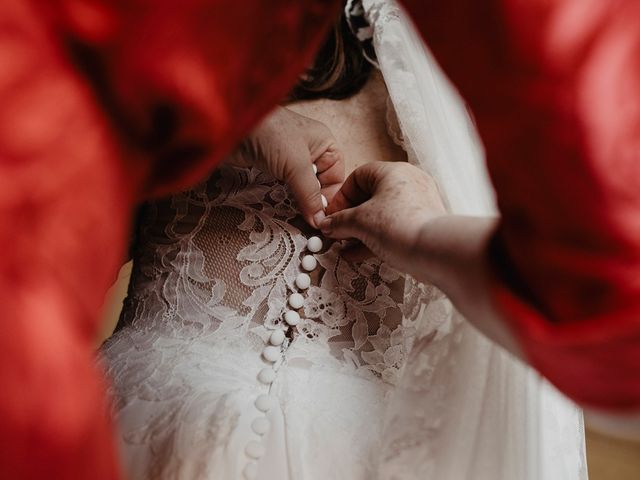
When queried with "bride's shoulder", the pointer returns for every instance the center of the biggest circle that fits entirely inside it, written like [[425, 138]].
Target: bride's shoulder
[[359, 123]]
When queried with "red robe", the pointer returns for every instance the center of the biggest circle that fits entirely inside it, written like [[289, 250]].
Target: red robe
[[554, 86], [101, 104], [105, 102]]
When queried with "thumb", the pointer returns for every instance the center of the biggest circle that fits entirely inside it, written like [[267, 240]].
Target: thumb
[[345, 224], [313, 188], [359, 187], [351, 212]]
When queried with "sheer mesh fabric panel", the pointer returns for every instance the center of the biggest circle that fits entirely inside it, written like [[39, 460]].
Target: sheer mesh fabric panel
[[228, 251], [220, 240]]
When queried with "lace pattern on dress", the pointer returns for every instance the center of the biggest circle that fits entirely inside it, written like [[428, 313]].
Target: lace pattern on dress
[[223, 258]]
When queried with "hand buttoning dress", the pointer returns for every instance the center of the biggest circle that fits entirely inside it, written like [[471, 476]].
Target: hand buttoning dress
[[373, 376]]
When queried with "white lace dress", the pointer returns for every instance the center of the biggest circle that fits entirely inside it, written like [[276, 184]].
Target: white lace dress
[[377, 378], [214, 270]]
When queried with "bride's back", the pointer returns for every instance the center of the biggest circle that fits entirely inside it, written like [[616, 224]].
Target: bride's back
[[364, 124], [195, 355], [223, 258], [213, 377]]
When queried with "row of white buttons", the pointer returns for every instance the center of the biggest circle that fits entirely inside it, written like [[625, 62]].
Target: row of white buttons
[[260, 425]]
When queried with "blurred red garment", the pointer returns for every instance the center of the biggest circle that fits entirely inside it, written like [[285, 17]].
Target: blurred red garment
[[103, 103], [554, 86]]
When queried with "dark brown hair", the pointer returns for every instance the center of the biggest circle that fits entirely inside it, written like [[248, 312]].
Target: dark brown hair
[[339, 70]]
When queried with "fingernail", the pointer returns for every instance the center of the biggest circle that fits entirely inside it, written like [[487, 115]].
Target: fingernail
[[318, 218], [330, 153], [325, 225]]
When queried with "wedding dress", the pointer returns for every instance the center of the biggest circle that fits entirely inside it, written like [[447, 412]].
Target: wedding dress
[[378, 377]]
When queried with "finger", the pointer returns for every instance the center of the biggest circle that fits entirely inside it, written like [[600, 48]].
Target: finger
[[305, 188], [327, 158], [344, 224], [357, 188], [330, 166], [305, 184], [330, 192]]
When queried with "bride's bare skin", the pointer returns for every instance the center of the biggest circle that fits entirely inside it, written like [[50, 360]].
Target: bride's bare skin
[[358, 124]]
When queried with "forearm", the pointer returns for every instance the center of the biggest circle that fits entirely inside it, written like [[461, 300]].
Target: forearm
[[595, 364], [547, 92], [452, 254]]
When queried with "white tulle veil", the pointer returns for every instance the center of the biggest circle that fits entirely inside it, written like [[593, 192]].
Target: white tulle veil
[[464, 408]]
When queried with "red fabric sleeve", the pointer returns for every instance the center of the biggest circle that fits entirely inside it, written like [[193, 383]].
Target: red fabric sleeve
[[102, 103], [63, 204], [182, 82], [555, 88]]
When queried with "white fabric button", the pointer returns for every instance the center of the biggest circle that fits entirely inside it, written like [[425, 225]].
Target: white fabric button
[[292, 318], [296, 300], [265, 402], [254, 449], [315, 168], [260, 425], [271, 353], [303, 281], [250, 472], [277, 337], [267, 375], [309, 263], [325, 204], [314, 244]]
